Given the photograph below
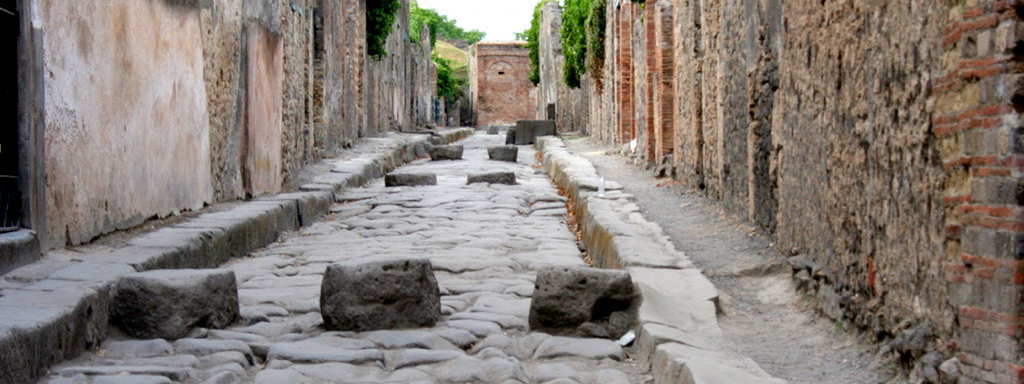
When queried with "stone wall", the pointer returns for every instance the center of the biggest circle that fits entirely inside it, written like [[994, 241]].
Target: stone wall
[[878, 142], [154, 107], [126, 128], [501, 91]]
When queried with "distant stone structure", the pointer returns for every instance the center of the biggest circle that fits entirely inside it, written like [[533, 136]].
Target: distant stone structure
[[500, 87]]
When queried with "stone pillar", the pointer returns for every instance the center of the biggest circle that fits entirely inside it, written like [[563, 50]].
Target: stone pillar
[[977, 124], [664, 93]]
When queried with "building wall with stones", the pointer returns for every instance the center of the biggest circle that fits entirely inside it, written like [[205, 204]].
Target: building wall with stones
[[878, 142], [500, 89], [149, 108]]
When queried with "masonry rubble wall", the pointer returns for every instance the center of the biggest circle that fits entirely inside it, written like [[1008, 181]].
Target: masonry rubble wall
[[879, 143], [155, 107]]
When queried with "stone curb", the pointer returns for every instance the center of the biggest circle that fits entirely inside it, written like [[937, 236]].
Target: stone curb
[[53, 310], [678, 335]]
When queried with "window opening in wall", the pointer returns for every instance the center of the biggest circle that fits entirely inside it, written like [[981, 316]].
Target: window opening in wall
[[10, 194], [501, 72]]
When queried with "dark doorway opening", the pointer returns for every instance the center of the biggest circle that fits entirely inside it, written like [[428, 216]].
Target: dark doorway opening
[[10, 194]]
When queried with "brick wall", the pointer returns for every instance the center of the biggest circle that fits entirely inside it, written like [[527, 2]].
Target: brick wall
[[502, 92], [877, 141], [977, 125]]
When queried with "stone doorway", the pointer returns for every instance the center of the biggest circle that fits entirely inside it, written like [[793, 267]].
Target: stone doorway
[[10, 193]]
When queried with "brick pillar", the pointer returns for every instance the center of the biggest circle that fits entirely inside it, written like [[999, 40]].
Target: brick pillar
[[651, 44], [978, 99], [664, 93], [624, 17]]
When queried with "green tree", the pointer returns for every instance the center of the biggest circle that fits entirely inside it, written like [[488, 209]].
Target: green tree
[[448, 85], [440, 25], [380, 16]]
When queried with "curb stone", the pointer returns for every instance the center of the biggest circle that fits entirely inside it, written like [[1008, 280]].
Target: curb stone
[[678, 334], [56, 308]]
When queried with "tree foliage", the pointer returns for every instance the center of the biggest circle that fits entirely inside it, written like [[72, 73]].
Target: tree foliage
[[440, 25], [449, 86], [380, 16], [583, 35]]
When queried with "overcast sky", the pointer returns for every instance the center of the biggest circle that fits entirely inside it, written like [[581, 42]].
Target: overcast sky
[[500, 19]]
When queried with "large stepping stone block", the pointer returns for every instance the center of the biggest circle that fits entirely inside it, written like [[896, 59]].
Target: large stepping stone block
[[527, 131], [391, 294], [409, 179], [446, 152], [503, 153], [167, 304], [508, 178], [579, 301]]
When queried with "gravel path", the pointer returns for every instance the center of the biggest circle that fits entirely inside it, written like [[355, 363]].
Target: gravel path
[[763, 317], [485, 242]]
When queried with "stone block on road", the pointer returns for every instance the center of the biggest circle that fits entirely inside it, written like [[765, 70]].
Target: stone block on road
[[446, 152], [390, 294], [579, 301], [167, 304], [503, 153], [409, 179], [527, 131], [508, 178]]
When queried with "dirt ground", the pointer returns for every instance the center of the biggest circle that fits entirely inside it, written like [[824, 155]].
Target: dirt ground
[[764, 317]]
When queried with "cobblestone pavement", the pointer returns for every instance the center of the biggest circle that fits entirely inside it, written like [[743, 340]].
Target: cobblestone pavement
[[485, 242]]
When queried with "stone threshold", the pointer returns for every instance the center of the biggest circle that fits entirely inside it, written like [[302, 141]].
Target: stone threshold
[[56, 308], [17, 249], [679, 339]]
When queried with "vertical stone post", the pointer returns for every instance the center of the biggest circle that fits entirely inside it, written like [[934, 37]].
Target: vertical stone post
[[977, 123]]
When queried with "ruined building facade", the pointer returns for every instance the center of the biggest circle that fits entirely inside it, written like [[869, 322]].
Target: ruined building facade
[[879, 142], [500, 89], [134, 109]]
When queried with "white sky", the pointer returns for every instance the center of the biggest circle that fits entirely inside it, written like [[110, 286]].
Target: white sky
[[500, 19]]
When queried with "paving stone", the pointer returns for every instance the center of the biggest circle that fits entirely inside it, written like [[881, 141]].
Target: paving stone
[[508, 178], [446, 152], [409, 357], [503, 153], [545, 372], [493, 341], [582, 301], [473, 370], [225, 378], [136, 348], [380, 295], [119, 379], [459, 337], [227, 367], [180, 361], [408, 339], [166, 304], [559, 346], [240, 336], [203, 347], [221, 358], [476, 327], [409, 179], [173, 373], [305, 352], [270, 330]]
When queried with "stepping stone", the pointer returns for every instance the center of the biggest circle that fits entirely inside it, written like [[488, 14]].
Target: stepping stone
[[409, 179], [579, 301], [389, 294], [508, 178], [503, 153], [446, 152], [167, 304], [493, 130]]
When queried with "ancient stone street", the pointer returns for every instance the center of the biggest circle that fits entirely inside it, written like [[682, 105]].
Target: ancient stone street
[[485, 242]]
